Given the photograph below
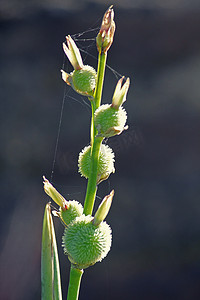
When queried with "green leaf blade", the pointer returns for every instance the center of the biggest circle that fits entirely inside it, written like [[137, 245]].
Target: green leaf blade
[[50, 270]]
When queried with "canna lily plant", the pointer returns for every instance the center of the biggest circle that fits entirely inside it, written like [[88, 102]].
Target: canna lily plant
[[86, 239]]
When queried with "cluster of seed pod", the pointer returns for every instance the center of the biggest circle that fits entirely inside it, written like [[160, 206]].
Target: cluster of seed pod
[[109, 119], [87, 239]]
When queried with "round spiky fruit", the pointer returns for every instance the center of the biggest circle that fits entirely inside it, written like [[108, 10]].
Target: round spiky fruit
[[105, 164], [72, 210], [84, 243], [110, 121], [83, 80]]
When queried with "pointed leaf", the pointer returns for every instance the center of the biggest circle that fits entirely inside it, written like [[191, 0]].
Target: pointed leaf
[[50, 269], [47, 257], [57, 280]]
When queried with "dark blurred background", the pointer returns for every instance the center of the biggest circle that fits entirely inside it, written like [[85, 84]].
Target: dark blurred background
[[155, 214]]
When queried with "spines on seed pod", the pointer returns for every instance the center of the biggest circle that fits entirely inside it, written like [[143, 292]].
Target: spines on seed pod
[[83, 78], [109, 121], [83, 81], [105, 163], [74, 209], [69, 210], [84, 243]]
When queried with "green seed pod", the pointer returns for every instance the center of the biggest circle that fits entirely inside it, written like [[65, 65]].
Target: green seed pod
[[105, 165], [84, 243], [72, 210], [83, 81], [110, 121]]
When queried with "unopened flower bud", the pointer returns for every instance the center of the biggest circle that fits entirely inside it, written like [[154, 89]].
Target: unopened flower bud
[[103, 209], [84, 243], [105, 36], [105, 163]]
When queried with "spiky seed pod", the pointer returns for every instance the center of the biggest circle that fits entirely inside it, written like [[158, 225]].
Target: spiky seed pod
[[72, 210], [83, 80], [84, 243], [110, 121], [105, 164]]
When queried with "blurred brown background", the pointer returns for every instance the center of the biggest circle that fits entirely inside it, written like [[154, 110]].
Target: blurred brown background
[[155, 215]]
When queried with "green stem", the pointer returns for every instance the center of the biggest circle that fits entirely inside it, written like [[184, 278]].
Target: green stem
[[92, 180], [74, 283], [100, 78], [95, 141], [92, 130]]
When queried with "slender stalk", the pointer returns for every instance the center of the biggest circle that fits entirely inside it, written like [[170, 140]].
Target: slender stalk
[[95, 103], [74, 283], [100, 78], [92, 129], [92, 181], [95, 141]]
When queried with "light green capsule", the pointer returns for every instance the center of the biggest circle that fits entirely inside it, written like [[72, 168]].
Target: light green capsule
[[84, 80], [72, 210], [105, 164], [84, 243], [110, 121]]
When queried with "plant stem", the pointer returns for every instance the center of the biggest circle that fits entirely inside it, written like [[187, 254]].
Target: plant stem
[[92, 129], [95, 141], [92, 181], [95, 103], [100, 78], [74, 283]]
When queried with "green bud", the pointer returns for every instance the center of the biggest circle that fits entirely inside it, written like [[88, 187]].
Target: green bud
[[109, 121], [83, 81], [84, 243], [105, 164], [103, 209], [73, 209], [105, 36]]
